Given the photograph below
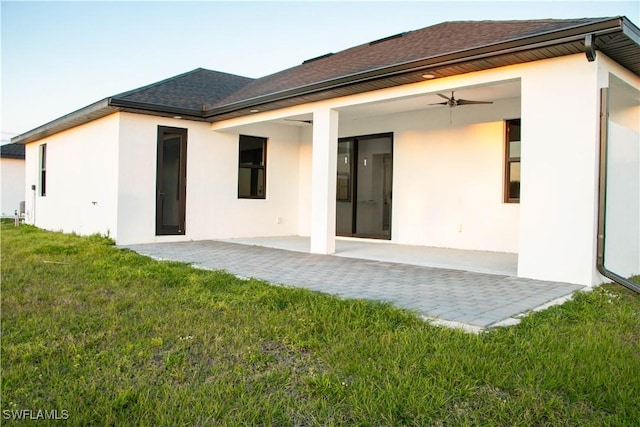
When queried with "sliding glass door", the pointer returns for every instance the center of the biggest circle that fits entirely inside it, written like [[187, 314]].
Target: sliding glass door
[[364, 186]]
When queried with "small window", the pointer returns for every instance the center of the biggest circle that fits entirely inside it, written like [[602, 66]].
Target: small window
[[512, 162], [43, 170], [252, 167]]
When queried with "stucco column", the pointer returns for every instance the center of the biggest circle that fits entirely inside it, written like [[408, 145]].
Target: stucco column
[[558, 204], [323, 181]]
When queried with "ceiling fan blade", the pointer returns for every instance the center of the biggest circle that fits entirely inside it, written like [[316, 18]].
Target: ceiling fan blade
[[468, 102], [440, 103], [445, 97], [301, 121]]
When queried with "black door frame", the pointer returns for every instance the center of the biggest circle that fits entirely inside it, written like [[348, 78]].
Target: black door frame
[[354, 181], [161, 229]]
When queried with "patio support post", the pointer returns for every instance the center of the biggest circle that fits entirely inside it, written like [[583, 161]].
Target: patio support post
[[323, 181]]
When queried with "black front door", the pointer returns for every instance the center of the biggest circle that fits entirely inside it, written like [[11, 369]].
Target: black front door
[[171, 181]]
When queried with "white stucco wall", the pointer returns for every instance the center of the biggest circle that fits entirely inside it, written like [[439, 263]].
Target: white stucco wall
[[82, 179], [12, 185], [448, 177], [138, 138], [622, 228], [213, 208], [622, 248], [559, 170], [304, 181], [558, 224], [277, 215]]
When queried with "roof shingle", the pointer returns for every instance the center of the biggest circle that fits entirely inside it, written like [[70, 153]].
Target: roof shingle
[[194, 90], [445, 49], [12, 151], [437, 40]]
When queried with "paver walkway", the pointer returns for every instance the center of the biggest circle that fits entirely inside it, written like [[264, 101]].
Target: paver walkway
[[472, 300]]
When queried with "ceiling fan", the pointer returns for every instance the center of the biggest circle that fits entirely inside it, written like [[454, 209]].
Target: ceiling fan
[[453, 102]]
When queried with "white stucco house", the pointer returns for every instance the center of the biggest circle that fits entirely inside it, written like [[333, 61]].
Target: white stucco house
[[11, 179], [469, 135]]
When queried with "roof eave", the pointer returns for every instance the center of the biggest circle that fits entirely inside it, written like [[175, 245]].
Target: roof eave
[[630, 30], [155, 109], [101, 109], [512, 46], [296, 95], [84, 115]]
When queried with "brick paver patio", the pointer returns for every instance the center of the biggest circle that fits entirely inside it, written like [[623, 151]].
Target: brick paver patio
[[471, 300]]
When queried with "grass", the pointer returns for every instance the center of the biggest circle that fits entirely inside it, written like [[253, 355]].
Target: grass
[[107, 337]]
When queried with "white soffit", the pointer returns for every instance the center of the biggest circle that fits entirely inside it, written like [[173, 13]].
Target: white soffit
[[488, 92]]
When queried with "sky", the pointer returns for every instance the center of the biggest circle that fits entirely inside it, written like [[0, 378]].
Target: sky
[[58, 57]]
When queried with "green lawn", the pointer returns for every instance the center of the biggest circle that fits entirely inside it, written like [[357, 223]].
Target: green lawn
[[107, 337]]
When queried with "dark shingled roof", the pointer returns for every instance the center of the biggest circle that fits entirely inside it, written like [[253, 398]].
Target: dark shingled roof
[[194, 90], [12, 151], [442, 50], [437, 40]]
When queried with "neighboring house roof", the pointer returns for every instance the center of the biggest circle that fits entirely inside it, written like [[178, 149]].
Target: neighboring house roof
[[12, 151], [442, 50]]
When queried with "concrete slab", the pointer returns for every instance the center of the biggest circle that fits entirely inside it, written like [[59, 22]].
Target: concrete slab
[[453, 297]]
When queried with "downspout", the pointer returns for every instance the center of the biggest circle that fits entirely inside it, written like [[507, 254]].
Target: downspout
[[602, 196]]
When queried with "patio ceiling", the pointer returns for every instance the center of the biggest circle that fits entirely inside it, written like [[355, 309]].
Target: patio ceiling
[[487, 92]]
